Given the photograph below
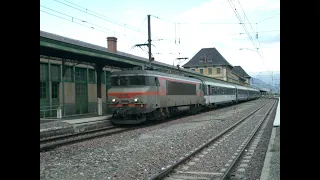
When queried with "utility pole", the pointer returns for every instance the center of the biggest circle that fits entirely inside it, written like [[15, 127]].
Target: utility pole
[[149, 42], [149, 38]]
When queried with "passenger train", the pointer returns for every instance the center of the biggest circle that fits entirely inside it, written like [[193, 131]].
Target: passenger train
[[139, 95]]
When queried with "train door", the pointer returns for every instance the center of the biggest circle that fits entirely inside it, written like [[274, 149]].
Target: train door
[[157, 100], [208, 100], [236, 91]]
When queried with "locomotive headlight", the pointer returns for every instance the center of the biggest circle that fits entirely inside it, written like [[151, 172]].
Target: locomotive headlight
[[113, 100], [135, 100]]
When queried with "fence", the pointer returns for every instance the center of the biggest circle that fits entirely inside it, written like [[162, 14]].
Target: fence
[[59, 111]]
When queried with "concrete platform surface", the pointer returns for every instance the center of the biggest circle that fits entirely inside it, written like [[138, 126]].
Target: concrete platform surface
[[276, 121], [73, 125], [271, 167]]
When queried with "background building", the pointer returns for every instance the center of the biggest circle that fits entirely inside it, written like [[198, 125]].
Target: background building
[[210, 62]]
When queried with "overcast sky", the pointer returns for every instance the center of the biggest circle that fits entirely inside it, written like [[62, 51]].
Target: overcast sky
[[196, 23]]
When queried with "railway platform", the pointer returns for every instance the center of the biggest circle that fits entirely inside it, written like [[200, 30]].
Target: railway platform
[[271, 167], [72, 125]]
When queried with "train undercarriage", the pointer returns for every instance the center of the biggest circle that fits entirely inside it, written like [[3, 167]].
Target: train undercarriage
[[135, 116]]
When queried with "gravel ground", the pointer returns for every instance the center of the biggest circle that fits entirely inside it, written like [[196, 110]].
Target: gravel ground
[[140, 153], [254, 169], [216, 157]]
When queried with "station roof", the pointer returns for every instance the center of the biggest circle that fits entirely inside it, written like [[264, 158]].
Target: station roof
[[62, 47], [240, 72]]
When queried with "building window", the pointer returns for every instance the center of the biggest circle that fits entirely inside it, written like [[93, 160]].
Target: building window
[[201, 71], [43, 90], [193, 69], [55, 72], [43, 72], [55, 90], [209, 70], [68, 75], [201, 61], [92, 76], [218, 71], [81, 75]]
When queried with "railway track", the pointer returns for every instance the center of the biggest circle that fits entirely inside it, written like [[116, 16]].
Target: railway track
[[51, 143], [54, 142], [174, 171], [47, 144]]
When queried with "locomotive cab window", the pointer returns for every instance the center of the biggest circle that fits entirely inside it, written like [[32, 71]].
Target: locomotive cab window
[[128, 81], [135, 81]]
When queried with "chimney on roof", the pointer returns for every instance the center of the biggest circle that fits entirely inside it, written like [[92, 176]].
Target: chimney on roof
[[112, 44]]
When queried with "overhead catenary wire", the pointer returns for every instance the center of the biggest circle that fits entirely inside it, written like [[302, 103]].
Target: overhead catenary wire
[[246, 30], [246, 17], [253, 33], [268, 18], [99, 16], [73, 21], [103, 17], [244, 26], [74, 18], [139, 28]]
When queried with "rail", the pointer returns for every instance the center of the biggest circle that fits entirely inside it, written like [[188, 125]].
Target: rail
[[227, 172], [172, 167]]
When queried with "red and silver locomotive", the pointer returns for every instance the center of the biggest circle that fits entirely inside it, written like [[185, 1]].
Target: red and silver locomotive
[[139, 95]]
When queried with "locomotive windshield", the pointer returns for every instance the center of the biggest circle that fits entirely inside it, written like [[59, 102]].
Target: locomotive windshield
[[133, 81]]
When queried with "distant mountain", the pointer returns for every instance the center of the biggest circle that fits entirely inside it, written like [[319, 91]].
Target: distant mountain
[[269, 80], [257, 83], [263, 73]]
